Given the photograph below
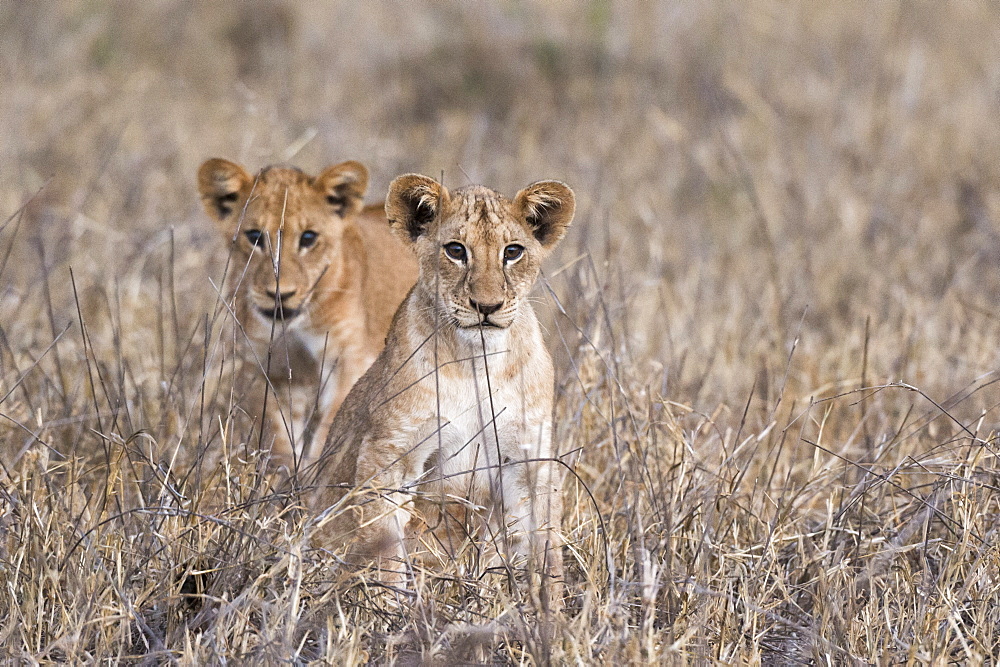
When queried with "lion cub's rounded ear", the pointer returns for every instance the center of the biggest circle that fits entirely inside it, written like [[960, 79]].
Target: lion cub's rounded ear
[[221, 184], [547, 207], [413, 203], [344, 186]]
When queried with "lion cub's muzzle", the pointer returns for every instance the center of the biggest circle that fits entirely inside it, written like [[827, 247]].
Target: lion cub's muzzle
[[486, 315], [280, 307]]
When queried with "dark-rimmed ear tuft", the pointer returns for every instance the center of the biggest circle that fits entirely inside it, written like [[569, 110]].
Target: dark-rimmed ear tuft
[[343, 186], [413, 203], [222, 184], [547, 207]]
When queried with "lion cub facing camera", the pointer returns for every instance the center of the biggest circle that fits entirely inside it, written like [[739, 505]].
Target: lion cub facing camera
[[451, 426], [315, 277]]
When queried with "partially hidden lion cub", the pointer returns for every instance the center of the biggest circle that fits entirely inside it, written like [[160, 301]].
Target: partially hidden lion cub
[[315, 278], [451, 426]]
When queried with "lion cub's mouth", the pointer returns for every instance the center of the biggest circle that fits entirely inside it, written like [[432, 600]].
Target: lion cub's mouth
[[486, 324], [279, 313]]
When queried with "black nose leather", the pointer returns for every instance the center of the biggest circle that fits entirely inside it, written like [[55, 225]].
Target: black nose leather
[[485, 308], [284, 295]]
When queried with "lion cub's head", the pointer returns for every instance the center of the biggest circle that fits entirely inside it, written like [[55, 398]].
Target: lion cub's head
[[286, 228], [479, 252]]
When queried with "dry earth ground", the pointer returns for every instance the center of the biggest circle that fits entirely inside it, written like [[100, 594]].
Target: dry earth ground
[[774, 322]]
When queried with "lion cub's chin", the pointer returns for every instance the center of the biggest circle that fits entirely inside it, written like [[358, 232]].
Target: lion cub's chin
[[476, 336]]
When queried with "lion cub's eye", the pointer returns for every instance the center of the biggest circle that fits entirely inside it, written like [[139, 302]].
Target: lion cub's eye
[[512, 253], [308, 239], [455, 251], [254, 236]]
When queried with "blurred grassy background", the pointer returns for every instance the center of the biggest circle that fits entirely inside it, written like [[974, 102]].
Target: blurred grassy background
[[739, 164], [777, 204]]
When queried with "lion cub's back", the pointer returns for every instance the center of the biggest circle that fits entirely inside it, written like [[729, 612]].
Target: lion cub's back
[[391, 270]]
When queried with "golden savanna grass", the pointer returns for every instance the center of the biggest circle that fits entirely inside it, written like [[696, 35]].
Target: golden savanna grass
[[774, 324]]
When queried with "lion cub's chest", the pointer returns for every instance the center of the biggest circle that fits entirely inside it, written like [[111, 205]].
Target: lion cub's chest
[[297, 353], [308, 344], [484, 423]]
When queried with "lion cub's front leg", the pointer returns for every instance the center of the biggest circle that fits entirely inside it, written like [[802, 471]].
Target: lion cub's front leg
[[286, 414], [524, 501], [297, 416], [333, 390], [532, 503]]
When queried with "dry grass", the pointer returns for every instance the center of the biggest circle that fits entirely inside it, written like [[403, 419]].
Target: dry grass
[[775, 324]]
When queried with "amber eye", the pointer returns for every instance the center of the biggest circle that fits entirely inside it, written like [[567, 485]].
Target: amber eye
[[308, 239], [512, 253], [254, 236], [455, 251]]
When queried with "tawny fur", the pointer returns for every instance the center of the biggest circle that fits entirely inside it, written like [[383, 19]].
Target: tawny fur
[[315, 296], [450, 428]]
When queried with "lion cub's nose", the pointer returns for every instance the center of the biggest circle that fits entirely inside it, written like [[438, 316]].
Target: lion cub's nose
[[284, 295], [485, 308]]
